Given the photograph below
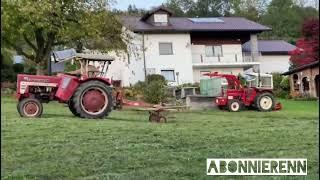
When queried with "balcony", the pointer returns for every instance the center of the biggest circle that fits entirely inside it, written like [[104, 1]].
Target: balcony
[[244, 59]]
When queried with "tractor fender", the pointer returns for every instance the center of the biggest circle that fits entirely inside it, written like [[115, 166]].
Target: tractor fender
[[103, 80], [260, 91]]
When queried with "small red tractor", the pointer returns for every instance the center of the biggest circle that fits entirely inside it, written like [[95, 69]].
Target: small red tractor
[[257, 93], [86, 92]]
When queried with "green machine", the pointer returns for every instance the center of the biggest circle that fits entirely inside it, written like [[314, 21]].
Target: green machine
[[212, 86]]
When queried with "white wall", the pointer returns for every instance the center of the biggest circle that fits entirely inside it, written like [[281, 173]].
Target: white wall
[[180, 61], [197, 72], [228, 51], [274, 63], [118, 69]]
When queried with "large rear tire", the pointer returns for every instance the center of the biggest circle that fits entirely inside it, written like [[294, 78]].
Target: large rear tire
[[265, 102], [71, 108], [30, 108], [92, 100]]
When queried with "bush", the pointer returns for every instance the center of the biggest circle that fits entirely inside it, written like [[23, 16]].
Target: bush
[[31, 70], [281, 86], [152, 91], [18, 68], [139, 87], [156, 77], [7, 91], [285, 84], [7, 73], [277, 78], [155, 92]]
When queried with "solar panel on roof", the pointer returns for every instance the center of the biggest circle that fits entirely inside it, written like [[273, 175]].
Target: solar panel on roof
[[206, 20]]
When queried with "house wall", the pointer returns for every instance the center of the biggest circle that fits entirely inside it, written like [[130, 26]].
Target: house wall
[[230, 52], [197, 72], [311, 74], [180, 61], [274, 63], [118, 69]]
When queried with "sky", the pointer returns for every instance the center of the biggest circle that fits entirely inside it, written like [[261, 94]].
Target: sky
[[145, 4]]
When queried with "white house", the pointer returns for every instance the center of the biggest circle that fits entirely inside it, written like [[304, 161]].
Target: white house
[[182, 49], [273, 55]]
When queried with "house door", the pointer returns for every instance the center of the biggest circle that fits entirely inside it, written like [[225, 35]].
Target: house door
[[316, 81]]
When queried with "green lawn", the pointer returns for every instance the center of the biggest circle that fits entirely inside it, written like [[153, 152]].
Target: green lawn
[[127, 146]]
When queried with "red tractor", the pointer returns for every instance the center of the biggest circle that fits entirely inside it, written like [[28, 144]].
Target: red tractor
[[86, 92], [256, 93]]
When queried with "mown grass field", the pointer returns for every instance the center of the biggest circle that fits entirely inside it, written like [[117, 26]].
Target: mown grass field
[[127, 146]]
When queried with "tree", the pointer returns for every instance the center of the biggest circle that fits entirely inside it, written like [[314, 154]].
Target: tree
[[307, 50], [18, 68], [199, 8], [250, 9], [285, 17], [33, 28]]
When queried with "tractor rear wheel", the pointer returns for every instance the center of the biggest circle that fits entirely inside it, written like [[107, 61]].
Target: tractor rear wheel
[[265, 102], [234, 105], [92, 99], [30, 108], [71, 108]]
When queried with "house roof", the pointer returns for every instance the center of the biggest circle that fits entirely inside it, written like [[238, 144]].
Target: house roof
[[270, 47], [311, 65], [184, 24]]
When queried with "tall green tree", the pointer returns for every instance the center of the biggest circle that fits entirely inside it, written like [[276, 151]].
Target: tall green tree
[[199, 8], [250, 9], [33, 28], [285, 18]]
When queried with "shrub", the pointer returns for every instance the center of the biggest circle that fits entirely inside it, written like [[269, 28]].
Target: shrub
[[18, 68], [31, 70], [281, 87], [139, 87], [7, 73], [277, 78], [152, 91], [285, 84], [155, 92], [7, 91], [155, 77]]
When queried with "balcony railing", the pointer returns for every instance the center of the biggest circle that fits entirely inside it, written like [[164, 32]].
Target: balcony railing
[[225, 58]]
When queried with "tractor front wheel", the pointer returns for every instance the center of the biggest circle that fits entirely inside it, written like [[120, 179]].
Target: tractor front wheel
[[265, 102], [234, 105], [92, 99], [30, 108]]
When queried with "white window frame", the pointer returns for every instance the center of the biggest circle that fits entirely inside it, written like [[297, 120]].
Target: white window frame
[[171, 53], [173, 73], [160, 18]]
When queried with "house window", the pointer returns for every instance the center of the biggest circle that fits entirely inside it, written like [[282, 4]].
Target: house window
[[168, 75], [160, 18], [213, 51], [165, 49], [305, 84]]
